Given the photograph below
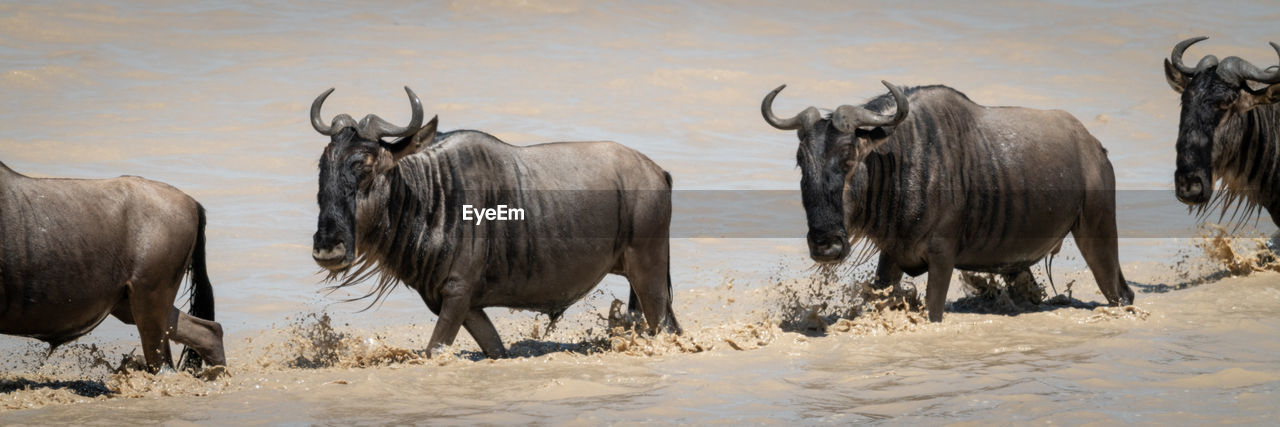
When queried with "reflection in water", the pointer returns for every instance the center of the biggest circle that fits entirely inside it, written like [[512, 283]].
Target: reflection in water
[[212, 98]]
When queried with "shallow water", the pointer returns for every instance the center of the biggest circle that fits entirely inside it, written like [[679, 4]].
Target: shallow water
[[213, 97], [1203, 354]]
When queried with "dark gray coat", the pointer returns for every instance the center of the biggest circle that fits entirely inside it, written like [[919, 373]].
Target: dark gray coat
[[74, 251]]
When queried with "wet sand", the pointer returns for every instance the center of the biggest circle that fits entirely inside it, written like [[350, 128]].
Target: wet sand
[[213, 98]]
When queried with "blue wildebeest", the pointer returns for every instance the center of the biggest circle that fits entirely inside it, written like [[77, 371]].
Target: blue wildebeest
[[938, 182], [1229, 132], [395, 210], [73, 251]]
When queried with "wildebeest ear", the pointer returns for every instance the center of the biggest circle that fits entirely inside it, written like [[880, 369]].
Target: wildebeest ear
[[415, 142], [1254, 98], [1177, 80]]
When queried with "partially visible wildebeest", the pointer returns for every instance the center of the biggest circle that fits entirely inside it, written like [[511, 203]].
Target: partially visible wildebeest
[[1228, 132], [938, 182], [395, 210], [73, 251]]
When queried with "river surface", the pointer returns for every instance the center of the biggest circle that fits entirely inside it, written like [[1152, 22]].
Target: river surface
[[213, 97]]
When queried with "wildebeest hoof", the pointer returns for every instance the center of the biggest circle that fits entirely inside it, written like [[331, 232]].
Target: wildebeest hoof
[[166, 370], [213, 373]]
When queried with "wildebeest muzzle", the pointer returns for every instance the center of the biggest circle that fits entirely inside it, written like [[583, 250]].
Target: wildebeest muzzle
[[1192, 188], [828, 247]]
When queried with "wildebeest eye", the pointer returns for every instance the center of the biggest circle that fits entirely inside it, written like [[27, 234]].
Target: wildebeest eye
[[360, 162]]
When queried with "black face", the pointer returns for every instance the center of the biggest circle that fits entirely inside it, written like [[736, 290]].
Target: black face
[[346, 168], [825, 156], [1207, 102]]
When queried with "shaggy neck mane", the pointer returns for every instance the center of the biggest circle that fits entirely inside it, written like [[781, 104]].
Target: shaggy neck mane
[[878, 188], [1246, 165], [401, 221]]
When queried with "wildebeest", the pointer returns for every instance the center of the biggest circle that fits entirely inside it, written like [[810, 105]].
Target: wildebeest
[[1228, 132], [73, 251], [394, 210], [937, 182]]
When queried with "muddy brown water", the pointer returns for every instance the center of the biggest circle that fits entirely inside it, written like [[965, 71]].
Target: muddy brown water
[[212, 98]]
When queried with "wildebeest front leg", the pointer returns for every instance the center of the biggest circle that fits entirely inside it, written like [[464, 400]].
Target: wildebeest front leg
[[940, 266], [482, 330], [454, 309], [887, 273], [154, 327]]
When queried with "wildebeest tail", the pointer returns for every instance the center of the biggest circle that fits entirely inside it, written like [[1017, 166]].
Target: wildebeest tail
[[671, 295], [201, 291], [673, 325]]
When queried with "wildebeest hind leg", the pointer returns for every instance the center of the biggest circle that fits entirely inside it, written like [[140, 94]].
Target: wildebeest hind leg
[[633, 310], [647, 273], [633, 304], [482, 330], [1095, 235], [1022, 287], [204, 336]]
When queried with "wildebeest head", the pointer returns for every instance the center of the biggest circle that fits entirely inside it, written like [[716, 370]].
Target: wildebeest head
[[830, 149], [354, 159], [1212, 93]]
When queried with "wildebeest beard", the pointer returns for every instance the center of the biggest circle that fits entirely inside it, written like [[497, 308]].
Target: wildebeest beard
[[382, 258], [1244, 157], [408, 228]]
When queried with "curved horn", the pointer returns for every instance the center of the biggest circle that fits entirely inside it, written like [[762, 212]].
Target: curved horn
[[373, 127], [1176, 56], [848, 118], [316, 121], [1235, 70], [766, 109]]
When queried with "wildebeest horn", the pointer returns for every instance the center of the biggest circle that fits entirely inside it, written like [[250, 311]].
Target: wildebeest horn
[[1176, 56], [339, 122], [848, 118], [1235, 70], [766, 109], [373, 127]]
